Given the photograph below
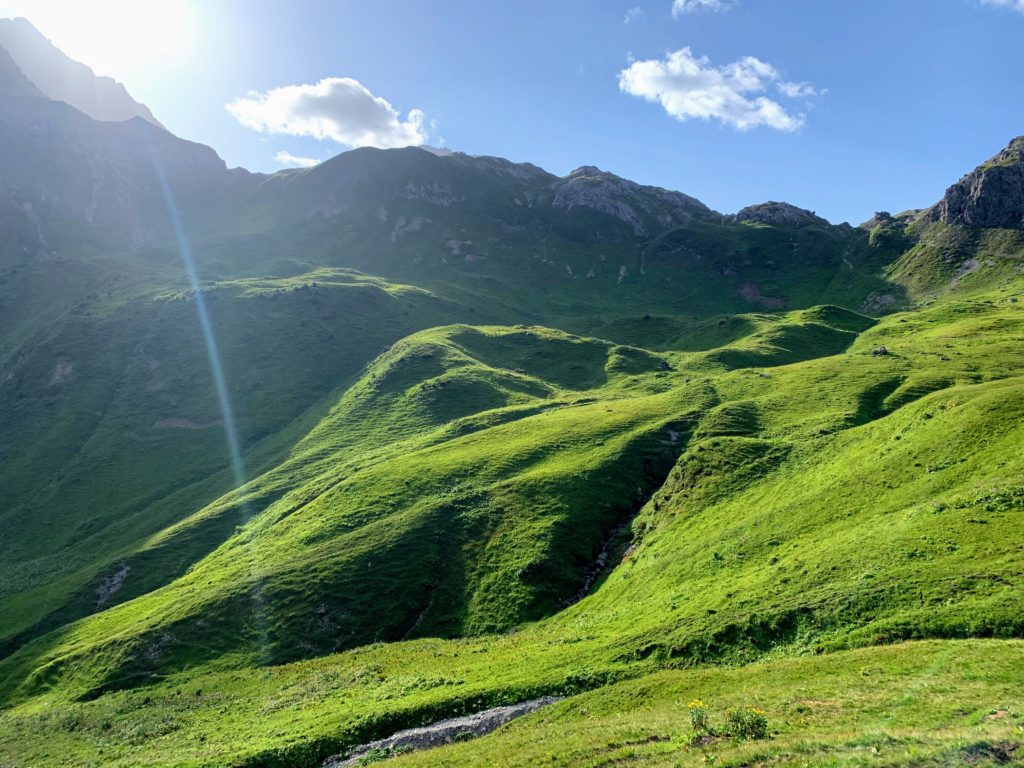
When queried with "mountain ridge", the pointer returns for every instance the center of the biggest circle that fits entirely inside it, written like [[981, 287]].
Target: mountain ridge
[[992, 195], [63, 79]]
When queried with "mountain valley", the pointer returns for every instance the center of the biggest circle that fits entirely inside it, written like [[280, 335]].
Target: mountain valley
[[292, 461]]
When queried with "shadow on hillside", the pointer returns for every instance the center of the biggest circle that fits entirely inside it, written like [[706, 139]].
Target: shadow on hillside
[[145, 570]]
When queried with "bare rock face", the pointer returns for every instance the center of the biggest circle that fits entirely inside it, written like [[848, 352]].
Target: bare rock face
[[778, 214], [992, 195], [645, 209]]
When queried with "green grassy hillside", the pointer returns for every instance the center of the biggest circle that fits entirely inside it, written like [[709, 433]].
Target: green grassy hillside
[[130, 378], [446, 494], [76, 421]]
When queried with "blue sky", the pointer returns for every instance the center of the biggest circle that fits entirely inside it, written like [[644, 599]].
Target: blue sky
[[888, 102]]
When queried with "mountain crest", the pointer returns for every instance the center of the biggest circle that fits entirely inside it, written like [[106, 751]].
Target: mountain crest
[[646, 209], [12, 80], [589, 170], [992, 195], [778, 214]]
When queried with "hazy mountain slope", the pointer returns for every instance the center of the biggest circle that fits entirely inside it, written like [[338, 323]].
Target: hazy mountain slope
[[80, 405], [98, 184], [62, 79], [21, 234], [87, 211], [13, 82]]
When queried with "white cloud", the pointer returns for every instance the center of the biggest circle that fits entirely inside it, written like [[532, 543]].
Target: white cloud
[[1016, 5], [293, 161], [337, 108], [798, 90], [636, 13], [691, 87], [679, 7]]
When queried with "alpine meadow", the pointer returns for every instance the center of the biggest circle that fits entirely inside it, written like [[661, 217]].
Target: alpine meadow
[[424, 457]]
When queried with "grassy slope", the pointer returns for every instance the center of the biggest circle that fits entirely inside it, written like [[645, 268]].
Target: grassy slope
[[76, 422], [935, 703], [456, 528], [754, 546], [944, 260], [75, 418]]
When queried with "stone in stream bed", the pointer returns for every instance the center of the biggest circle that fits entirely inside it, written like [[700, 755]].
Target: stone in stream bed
[[440, 733]]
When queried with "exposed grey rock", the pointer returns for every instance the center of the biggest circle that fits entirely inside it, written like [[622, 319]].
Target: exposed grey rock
[[880, 219], [111, 585], [644, 208], [878, 302], [440, 733], [499, 166], [778, 214], [992, 195], [437, 193]]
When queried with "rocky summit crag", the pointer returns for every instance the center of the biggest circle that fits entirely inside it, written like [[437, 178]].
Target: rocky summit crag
[[991, 195], [779, 214]]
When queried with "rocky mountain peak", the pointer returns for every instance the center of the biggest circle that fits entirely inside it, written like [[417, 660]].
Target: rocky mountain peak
[[438, 151], [778, 214], [992, 195], [588, 170]]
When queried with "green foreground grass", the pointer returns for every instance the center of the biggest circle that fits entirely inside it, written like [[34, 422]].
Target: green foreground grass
[[915, 704], [952, 702]]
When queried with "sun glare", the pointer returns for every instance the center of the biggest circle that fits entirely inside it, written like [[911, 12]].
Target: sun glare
[[114, 37]]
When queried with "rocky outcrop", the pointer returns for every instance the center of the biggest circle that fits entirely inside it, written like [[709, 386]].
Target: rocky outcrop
[[646, 209], [992, 195], [880, 219], [778, 215], [437, 735], [499, 166]]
